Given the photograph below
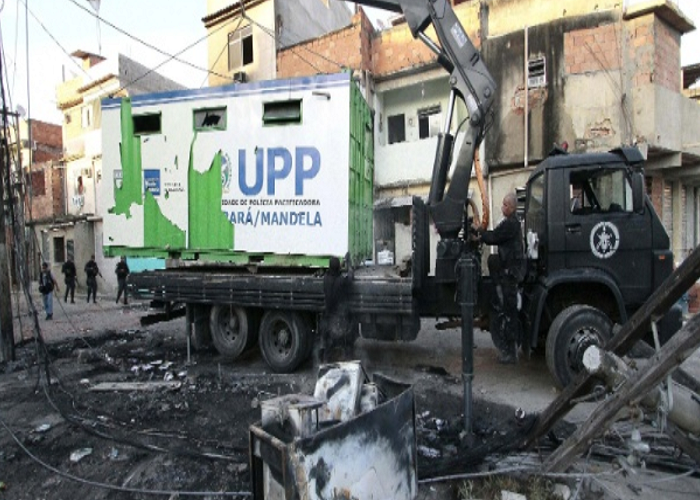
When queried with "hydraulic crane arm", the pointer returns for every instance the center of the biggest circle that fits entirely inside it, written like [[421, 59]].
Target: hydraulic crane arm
[[470, 81]]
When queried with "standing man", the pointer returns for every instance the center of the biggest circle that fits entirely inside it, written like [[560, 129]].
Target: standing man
[[70, 273], [91, 270], [46, 285], [122, 271], [507, 270]]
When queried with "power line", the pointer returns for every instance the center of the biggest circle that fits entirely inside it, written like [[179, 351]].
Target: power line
[[171, 57], [112, 487]]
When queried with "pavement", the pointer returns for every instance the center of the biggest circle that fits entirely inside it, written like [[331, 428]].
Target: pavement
[[527, 385], [75, 320]]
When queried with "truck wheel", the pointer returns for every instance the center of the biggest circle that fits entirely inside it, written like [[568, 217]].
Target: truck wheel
[[284, 340], [232, 330], [574, 330]]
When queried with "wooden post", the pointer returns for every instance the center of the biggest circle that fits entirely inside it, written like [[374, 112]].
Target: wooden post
[[671, 355], [658, 304]]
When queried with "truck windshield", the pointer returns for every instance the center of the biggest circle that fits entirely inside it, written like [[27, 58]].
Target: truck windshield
[[600, 190]]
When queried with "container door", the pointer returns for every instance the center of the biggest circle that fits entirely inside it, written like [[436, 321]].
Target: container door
[[603, 232]]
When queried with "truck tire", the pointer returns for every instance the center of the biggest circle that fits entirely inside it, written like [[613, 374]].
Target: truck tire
[[284, 340], [574, 330], [233, 330]]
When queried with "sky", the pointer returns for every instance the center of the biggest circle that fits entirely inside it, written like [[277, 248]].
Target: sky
[[59, 27]]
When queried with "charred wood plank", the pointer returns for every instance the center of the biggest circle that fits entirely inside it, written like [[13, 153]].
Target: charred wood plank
[[671, 355], [660, 301], [689, 446]]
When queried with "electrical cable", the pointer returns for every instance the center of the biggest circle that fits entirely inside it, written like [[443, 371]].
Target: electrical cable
[[170, 57], [42, 354], [271, 34], [112, 487], [53, 38]]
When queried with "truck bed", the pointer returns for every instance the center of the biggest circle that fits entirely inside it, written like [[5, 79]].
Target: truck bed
[[375, 289]]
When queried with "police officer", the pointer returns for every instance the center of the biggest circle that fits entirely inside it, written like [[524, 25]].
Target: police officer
[[92, 271], [68, 269], [507, 270]]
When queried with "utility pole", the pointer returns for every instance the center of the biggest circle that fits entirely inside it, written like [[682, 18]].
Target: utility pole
[[7, 334]]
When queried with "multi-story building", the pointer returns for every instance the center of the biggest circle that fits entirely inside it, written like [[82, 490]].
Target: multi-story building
[[594, 74], [79, 233], [244, 38], [36, 148]]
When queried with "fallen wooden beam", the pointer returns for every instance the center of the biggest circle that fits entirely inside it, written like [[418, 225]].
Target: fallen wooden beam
[[671, 355], [136, 386], [681, 405], [689, 446], [639, 324]]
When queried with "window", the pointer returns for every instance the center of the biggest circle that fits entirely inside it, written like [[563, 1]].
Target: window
[[600, 190], [59, 249], [70, 250], [38, 183], [67, 118], [86, 116], [240, 48], [147, 124], [397, 128], [280, 112], [429, 121], [537, 72], [210, 119]]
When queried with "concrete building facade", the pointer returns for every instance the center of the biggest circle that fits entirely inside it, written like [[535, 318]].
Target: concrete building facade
[[244, 37], [36, 177], [78, 233], [595, 74]]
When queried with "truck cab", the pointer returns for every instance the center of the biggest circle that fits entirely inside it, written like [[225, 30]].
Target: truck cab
[[596, 250]]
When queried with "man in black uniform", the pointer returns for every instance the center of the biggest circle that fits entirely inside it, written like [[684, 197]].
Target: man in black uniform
[[122, 271], [507, 270], [69, 271], [91, 270]]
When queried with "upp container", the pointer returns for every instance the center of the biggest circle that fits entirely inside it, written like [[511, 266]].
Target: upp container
[[274, 172]]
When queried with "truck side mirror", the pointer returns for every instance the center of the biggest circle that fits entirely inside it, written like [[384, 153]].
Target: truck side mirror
[[638, 192]]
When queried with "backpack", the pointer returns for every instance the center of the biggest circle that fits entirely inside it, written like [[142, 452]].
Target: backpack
[[45, 283]]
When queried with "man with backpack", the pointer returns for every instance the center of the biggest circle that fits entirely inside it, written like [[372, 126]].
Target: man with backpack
[[46, 285]]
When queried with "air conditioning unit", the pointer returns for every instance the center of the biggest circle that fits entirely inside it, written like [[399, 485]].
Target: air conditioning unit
[[240, 77]]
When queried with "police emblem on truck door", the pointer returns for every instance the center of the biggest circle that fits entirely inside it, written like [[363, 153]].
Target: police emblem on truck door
[[605, 239]]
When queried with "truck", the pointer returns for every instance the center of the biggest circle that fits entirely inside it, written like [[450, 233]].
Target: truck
[[247, 192]]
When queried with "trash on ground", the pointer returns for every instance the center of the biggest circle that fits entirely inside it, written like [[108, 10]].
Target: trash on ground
[[78, 455], [347, 438]]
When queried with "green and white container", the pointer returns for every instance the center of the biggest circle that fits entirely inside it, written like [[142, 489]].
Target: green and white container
[[277, 172]]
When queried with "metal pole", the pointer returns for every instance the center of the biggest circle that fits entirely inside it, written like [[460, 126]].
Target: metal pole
[[467, 300]]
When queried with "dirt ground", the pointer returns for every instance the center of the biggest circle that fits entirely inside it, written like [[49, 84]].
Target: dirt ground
[[183, 428]]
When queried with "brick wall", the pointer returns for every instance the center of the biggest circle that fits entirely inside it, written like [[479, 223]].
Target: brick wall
[[593, 49], [657, 195], [655, 49], [359, 47], [49, 141], [640, 39], [667, 60], [346, 48], [47, 193]]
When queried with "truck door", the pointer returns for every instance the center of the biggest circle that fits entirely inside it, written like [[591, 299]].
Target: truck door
[[602, 231]]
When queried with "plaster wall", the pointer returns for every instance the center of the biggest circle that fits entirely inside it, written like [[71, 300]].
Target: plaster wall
[[506, 16], [306, 19], [264, 53]]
